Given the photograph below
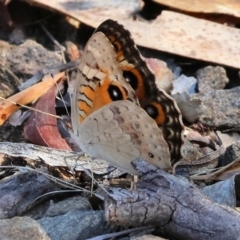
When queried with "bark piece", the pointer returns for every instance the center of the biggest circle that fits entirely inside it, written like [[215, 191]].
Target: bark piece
[[85, 11], [174, 206], [57, 158], [170, 32], [20, 190]]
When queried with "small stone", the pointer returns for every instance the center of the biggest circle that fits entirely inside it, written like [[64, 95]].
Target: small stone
[[211, 78], [21, 228], [184, 84], [72, 51], [164, 76], [232, 152], [17, 36]]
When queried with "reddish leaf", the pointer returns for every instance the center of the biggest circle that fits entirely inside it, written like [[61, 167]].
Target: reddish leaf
[[41, 128]]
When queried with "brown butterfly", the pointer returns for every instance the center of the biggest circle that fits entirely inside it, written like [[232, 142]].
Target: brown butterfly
[[118, 114]]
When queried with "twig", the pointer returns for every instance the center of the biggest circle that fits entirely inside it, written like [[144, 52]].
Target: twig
[[41, 73], [62, 48], [128, 231]]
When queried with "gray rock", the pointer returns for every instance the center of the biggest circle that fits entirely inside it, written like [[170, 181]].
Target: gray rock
[[63, 207], [222, 108], [232, 152], [76, 224], [21, 228], [24, 60], [211, 78], [28, 58], [223, 192]]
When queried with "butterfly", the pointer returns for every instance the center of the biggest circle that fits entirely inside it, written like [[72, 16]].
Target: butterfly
[[118, 114]]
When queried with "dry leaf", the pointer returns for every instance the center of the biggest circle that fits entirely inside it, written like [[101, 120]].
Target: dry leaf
[[230, 7], [229, 138], [229, 172], [26, 96], [171, 32], [40, 128]]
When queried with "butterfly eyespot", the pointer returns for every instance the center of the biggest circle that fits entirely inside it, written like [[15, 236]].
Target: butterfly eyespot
[[115, 93], [152, 111], [131, 78], [150, 155]]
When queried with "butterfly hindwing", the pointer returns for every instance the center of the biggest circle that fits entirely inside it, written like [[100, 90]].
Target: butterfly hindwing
[[163, 109], [121, 132]]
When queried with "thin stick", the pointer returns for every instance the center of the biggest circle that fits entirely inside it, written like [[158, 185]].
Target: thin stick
[[30, 108], [62, 48]]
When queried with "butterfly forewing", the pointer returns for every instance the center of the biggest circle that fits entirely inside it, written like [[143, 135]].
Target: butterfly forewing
[[99, 80]]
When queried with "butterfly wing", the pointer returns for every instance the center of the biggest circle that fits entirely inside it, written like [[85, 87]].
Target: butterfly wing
[[157, 103], [163, 109], [134, 67], [121, 132], [99, 80]]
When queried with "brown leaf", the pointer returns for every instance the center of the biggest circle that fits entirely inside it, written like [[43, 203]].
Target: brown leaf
[[40, 128]]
